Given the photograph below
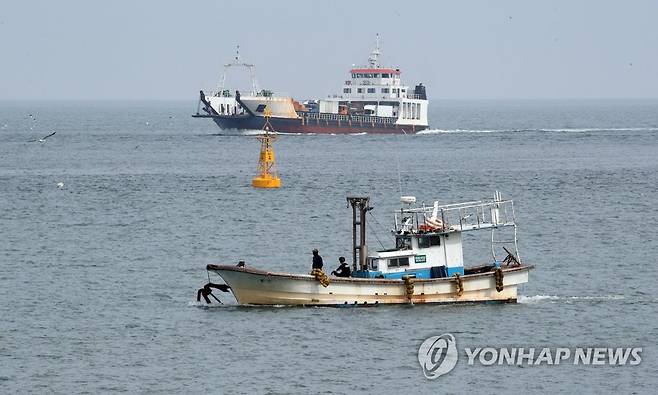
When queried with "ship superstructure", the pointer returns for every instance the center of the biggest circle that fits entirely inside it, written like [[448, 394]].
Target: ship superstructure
[[374, 99]]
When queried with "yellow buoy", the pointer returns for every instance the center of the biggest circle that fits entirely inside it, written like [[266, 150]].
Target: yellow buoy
[[267, 176]]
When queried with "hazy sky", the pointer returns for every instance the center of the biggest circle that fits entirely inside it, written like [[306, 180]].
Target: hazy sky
[[458, 49]]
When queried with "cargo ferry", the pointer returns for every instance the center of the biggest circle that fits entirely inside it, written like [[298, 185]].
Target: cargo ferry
[[373, 100]]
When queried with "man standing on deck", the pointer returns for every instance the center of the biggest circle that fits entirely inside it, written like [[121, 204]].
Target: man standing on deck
[[317, 260]]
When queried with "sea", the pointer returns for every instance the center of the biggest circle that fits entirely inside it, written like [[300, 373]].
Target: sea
[[107, 226]]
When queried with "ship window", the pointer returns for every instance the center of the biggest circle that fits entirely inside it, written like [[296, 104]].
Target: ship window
[[359, 90], [347, 90], [384, 90], [429, 241], [261, 107], [353, 75], [376, 75], [384, 75], [403, 243], [397, 262], [371, 90]]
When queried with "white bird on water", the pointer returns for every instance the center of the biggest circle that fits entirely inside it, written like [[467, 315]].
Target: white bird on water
[[60, 185], [42, 139]]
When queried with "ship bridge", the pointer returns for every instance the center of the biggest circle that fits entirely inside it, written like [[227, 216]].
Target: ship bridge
[[374, 83], [373, 90]]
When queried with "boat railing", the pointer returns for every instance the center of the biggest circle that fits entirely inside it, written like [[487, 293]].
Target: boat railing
[[464, 216], [261, 94], [366, 119], [413, 96], [217, 93]]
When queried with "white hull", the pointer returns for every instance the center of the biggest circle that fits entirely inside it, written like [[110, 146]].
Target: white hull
[[251, 286]]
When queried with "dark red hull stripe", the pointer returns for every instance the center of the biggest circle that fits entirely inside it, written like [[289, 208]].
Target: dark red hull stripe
[[287, 125]]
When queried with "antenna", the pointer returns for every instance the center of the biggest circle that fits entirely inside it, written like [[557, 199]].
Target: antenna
[[373, 59], [237, 62]]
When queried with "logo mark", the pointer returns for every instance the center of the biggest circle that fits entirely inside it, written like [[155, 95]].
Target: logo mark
[[438, 355]]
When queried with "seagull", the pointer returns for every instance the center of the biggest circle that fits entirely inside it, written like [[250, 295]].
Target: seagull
[[60, 185], [42, 139]]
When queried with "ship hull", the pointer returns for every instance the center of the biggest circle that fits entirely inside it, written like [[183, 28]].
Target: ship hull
[[256, 287], [315, 126]]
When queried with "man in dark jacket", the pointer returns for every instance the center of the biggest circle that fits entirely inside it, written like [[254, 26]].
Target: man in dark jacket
[[343, 270], [317, 259]]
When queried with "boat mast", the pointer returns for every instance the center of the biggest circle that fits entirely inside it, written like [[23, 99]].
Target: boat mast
[[373, 59], [237, 62], [360, 203]]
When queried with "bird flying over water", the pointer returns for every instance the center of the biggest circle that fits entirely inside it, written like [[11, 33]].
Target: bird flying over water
[[42, 139]]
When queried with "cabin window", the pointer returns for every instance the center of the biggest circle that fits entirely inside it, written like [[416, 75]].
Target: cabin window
[[371, 90], [398, 262], [384, 90], [261, 107], [429, 241], [403, 243], [353, 75], [347, 90], [359, 90], [384, 75], [376, 75], [373, 264]]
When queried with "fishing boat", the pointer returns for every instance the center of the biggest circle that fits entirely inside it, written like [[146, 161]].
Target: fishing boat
[[374, 100], [425, 266]]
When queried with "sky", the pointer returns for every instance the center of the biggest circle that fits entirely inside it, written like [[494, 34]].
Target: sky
[[169, 50]]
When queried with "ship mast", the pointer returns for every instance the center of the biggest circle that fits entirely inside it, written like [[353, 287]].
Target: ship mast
[[237, 62], [373, 59], [360, 203]]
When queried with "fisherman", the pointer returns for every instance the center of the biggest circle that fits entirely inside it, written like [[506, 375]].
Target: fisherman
[[317, 260], [343, 270]]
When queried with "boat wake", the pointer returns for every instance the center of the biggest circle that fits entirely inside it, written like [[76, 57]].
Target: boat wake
[[565, 299], [447, 131], [548, 130]]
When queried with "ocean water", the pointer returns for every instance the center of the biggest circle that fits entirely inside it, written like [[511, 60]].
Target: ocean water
[[98, 279]]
